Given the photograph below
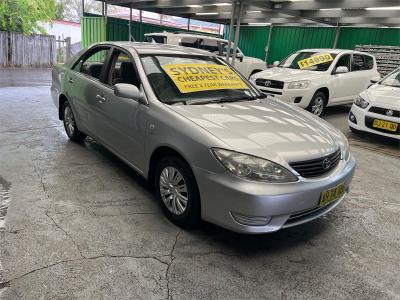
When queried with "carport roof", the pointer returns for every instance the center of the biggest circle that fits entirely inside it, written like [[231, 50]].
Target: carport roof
[[312, 12]]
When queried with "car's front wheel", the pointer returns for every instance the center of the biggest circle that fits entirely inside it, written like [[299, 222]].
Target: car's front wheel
[[70, 125], [177, 191], [317, 104]]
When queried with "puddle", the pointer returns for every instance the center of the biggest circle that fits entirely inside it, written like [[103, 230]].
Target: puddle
[[5, 200]]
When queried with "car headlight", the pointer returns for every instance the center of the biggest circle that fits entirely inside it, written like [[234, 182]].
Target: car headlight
[[301, 84], [253, 168], [252, 78], [361, 102]]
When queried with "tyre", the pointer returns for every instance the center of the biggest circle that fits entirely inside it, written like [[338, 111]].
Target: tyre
[[317, 104], [70, 125], [177, 191]]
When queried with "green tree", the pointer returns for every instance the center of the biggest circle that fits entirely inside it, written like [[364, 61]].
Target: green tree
[[23, 15]]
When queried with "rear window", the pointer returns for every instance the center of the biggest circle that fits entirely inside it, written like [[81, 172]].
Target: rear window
[[369, 62]]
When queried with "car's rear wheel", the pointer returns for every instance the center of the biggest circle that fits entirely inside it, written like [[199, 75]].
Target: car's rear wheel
[[70, 125], [177, 191], [317, 104]]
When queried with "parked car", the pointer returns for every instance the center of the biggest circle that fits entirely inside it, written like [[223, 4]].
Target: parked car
[[246, 65], [210, 143], [316, 78], [377, 109]]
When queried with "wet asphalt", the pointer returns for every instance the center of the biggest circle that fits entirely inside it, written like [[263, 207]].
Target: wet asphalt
[[79, 224]]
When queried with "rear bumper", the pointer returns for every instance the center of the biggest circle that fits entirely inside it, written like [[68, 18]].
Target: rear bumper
[[227, 200]]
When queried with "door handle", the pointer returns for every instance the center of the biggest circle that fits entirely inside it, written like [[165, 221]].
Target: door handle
[[100, 98], [70, 80]]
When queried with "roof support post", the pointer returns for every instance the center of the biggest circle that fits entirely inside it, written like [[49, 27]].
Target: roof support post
[[102, 8], [336, 37], [141, 38], [105, 10], [188, 25], [130, 24], [83, 8], [231, 28], [268, 44], [236, 41]]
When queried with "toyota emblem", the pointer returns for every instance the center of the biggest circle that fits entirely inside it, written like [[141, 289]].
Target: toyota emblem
[[326, 163], [267, 83], [389, 112]]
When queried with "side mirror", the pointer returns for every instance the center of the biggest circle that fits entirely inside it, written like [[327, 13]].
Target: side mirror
[[341, 70], [129, 91], [239, 56], [275, 63]]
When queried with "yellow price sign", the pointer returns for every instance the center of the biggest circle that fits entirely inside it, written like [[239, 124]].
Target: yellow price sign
[[315, 60], [190, 78]]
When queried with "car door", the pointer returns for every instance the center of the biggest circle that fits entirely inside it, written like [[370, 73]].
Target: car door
[[362, 71], [122, 122], [341, 84], [82, 85]]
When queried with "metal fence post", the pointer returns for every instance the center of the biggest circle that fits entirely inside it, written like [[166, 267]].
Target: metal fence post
[[68, 48]]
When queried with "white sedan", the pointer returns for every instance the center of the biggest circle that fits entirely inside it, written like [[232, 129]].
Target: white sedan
[[377, 109]]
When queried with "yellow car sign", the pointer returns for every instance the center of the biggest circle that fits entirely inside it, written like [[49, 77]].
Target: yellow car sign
[[314, 60], [190, 78]]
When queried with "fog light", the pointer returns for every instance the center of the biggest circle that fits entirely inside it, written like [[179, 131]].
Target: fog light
[[250, 220], [352, 118], [297, 99]]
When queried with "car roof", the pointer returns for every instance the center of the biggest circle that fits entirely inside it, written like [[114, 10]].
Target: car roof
[[151, 48], [334, 51], [190, 35]]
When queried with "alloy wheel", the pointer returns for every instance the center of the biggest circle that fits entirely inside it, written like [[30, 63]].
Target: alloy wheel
[[69, 121], [173, 190], [317, 106]]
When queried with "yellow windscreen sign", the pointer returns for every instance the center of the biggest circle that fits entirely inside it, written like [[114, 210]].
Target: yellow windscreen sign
[[314, 60], [190, 78]]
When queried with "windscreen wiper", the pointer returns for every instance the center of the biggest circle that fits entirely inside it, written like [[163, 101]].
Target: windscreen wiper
[[224, 100]]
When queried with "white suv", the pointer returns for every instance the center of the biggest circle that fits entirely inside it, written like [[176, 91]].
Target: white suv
[[316, 78], [246, 65]]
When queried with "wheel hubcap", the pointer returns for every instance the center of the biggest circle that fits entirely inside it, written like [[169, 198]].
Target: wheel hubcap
[[317, 106], [69, 121], [173, 190]]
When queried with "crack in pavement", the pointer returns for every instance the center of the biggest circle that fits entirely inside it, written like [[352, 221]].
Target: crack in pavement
[[8, 282], [66, 233], [172, 257]]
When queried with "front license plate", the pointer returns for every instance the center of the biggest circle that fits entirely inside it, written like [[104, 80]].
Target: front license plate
[[331, 195], [386, 125]]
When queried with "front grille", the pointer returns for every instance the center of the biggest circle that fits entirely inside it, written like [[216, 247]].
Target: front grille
[[383, 111], [271, 92], [317, 167], [273, 84], [369, 121]]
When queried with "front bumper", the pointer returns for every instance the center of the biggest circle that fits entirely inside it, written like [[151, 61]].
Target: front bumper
[[360, 114], [298, 97], [286, 205]]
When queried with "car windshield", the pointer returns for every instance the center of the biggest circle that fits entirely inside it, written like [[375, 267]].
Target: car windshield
[[311, 61], [192, 79], [392, 79]]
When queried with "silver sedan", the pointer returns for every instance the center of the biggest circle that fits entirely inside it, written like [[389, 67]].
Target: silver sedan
[[212, 146]]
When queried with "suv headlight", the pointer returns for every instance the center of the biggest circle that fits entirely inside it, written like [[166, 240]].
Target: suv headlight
[[253, 168], [301, 84], [359, 101]]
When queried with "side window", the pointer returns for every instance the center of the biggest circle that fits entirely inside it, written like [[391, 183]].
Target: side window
[[224, 49], [158, 39], [93, 64], [369, 62], [344, 61], [211, 46], [358, 63], [191, 42], [123, 70]]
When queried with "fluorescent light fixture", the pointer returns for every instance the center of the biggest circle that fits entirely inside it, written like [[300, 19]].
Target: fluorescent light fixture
[[259, 24], [207, 13], [330, 9], [193, 5], [384, 8], [253, 11], [223, 4]]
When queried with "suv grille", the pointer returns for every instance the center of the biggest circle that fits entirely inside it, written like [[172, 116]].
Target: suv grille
[[382, 111], [273, 84], [317, 167]]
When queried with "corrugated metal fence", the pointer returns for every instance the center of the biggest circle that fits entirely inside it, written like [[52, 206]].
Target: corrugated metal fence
[[32, 51]]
